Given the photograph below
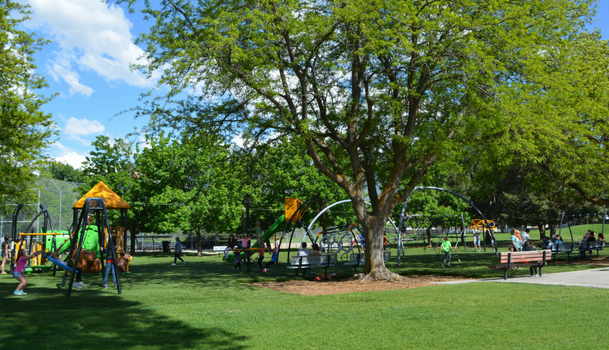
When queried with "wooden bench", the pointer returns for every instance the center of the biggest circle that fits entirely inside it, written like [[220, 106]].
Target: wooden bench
[[357, 259], [312, 261], [531, 259]]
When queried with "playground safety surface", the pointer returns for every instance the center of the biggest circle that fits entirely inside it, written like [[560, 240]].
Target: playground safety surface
[[351, 285]]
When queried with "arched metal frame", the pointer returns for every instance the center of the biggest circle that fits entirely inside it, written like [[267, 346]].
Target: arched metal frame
[[401, 244], [15, 236], [337, 203]]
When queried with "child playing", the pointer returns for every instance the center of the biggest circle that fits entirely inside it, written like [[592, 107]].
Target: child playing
[[477, 241], [273, 260], [19, 269], [260, 258], [109, 267], [244, 242], [446, 249]]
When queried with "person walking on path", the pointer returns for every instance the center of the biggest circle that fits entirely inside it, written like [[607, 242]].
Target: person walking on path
[[178, 251], [6, 253], [446, 247]]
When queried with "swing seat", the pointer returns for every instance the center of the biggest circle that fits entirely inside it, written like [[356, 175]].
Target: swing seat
[[59, 263]]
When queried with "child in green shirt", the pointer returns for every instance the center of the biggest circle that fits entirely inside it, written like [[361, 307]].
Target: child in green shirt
[[446, 249]]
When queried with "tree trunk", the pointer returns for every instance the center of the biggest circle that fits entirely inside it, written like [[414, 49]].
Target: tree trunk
[[134, 233], [552, 230], [542, 229], [429, 238], [199, 245], [375, 264]]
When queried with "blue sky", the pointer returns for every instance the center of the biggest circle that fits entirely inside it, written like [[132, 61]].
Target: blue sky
[[88, 65]]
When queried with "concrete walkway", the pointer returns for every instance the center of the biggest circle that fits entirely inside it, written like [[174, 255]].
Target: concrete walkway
[[597, 278]]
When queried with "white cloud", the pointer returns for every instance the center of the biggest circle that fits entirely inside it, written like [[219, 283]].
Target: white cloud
[[83, 126], [69, 156], [72, 158], [71, 78], [92, 35]]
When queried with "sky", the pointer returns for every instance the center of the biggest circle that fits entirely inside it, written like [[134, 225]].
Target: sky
[[87, 64]]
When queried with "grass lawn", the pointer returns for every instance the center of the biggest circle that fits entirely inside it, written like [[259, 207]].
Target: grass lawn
[[207, 305]]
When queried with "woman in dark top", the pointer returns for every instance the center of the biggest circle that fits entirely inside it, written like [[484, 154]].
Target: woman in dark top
[[232, 242]]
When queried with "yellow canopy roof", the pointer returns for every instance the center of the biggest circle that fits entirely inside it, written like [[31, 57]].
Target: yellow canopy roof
[[112, 200]]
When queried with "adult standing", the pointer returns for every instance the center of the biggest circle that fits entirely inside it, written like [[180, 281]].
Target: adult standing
[[515, 241], [177, 252], [6, 252], [526, 236]]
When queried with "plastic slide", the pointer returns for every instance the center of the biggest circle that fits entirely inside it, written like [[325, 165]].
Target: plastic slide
[[277, 226]]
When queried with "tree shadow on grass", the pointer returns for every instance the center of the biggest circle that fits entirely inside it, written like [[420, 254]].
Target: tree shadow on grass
[[46, 319]]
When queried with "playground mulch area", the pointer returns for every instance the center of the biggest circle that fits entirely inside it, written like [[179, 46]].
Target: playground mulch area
[[352, 285], [599, 261]]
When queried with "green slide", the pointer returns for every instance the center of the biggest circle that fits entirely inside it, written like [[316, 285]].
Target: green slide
[[277, 226]]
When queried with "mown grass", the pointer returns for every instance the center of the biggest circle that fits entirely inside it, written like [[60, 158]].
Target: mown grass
[[206, 305]]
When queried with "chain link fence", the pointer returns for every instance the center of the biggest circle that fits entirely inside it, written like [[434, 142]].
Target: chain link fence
[[57, 196]]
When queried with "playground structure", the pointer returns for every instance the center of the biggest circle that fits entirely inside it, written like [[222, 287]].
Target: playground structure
[[480, 225], [59, 241], [598, 217], [339, 240], [93, 212], [403, 216], [335, 237], [112, 202]]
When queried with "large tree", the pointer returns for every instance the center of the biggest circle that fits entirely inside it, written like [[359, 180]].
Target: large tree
[[376, 91], [193, 184], [114, 164], [25, 130]]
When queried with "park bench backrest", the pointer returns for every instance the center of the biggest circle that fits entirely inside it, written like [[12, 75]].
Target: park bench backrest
[[355, 256], [568, 246], [313, 259], [523, 257], [594, 245]]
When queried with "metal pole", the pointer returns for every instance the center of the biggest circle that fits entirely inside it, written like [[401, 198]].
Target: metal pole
[[604, 216], [463, 235], [247, 212], [38, 220]]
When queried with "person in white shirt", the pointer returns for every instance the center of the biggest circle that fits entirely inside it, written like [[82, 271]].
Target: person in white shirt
[[525, 236], [303, 251]]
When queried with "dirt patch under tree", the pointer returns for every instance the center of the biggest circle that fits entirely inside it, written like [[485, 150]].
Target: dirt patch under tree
[[350, 285]]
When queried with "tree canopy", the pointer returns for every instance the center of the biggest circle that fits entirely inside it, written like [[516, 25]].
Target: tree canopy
[[25, 130], [376, 91]]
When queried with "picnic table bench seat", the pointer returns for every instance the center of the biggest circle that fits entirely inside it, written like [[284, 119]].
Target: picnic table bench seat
[[357, 259], [312, 261], [535, 258]]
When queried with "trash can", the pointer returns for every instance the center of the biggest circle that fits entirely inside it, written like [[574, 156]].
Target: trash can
[[165, 246]]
